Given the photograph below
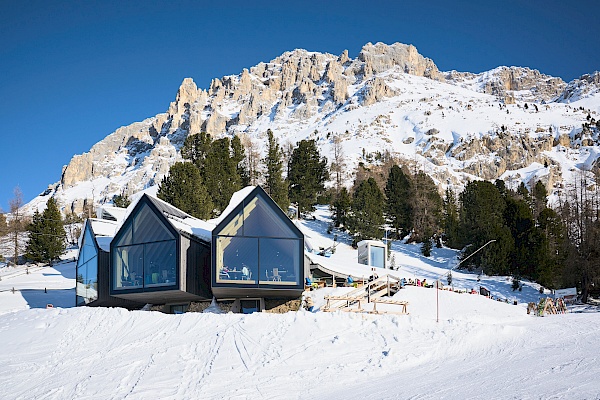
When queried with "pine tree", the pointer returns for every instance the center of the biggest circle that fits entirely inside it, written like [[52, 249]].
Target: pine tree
[[121, 200], [238, 157], [341, 207], [195, 148], [450, 219], [307, 175], [46, 235], [398, 207], [366, 219], [221, 176], [183, 189], [540, 198], [481, 220], [426, 207], [275, 185]]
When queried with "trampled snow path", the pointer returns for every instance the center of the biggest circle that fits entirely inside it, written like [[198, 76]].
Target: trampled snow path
[[116, 354]]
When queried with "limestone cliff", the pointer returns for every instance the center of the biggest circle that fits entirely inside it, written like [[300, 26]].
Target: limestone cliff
[[456, 125]]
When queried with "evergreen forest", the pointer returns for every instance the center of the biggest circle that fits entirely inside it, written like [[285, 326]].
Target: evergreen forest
[[557, 245]]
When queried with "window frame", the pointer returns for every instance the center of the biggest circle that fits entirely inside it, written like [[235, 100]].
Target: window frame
[[128, 229], [239, 232]]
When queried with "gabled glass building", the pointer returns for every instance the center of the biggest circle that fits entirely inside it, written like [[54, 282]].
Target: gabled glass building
[[153, 260], [90, 255], [161, 255], [257, 251], [93, 266]]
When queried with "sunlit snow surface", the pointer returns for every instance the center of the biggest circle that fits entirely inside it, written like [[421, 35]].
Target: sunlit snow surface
[[480, 348]]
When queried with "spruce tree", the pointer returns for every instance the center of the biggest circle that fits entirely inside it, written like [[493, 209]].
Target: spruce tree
[[366, 219], [36, 243], [238, 157], [307, 175], [398, 207], [426, 207], [341, 207], [121, 200], [183, 189], [519, 219], [450, 219], [47, 235], [540, 198], [552, 273], [195, 148], [221, 176], [481, 220], [275, 185]]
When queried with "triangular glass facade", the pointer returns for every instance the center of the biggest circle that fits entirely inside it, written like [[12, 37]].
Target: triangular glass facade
[[145, 254], [257, 246], [87, 269]]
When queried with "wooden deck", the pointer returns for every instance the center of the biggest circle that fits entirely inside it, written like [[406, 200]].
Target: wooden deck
[[371, 292]]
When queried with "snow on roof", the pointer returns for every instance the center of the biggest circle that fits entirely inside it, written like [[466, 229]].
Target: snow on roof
[[182, 221], [118, 213], [236, 199], [193, 226], [103, 227], [103, 230], [371, 242]]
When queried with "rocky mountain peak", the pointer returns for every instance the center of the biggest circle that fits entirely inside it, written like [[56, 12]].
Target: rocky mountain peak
[[378, 101], [511, 84], [381, 57], [584, 86]]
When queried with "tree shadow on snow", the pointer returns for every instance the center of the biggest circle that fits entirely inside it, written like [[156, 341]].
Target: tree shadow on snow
[[66, 269], [40, 298]]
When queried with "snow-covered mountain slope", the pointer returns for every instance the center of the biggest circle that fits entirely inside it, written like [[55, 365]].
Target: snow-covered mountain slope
[[512, 123]]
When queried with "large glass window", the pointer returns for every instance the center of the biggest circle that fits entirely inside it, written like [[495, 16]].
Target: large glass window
[[261, 220], [256, 246], [148, 228], [160, 263], [279, 261], [87, 271], [237, 260], [145, 255], [129, 267]]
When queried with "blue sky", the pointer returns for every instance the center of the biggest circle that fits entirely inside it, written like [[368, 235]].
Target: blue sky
[[73, 72]]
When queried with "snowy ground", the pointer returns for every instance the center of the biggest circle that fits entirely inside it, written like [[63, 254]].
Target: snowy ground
[[480, 348]]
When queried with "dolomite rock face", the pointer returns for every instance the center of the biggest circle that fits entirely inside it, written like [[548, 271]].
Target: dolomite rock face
[[586, 85], [503, 82], [377, 91], [381, 57], [311, 92]]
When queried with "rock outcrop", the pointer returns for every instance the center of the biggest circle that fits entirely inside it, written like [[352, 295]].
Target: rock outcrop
[[511, 84], [312, 92]]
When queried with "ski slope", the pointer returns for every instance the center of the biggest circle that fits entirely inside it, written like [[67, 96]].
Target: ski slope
[[480, 348]]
